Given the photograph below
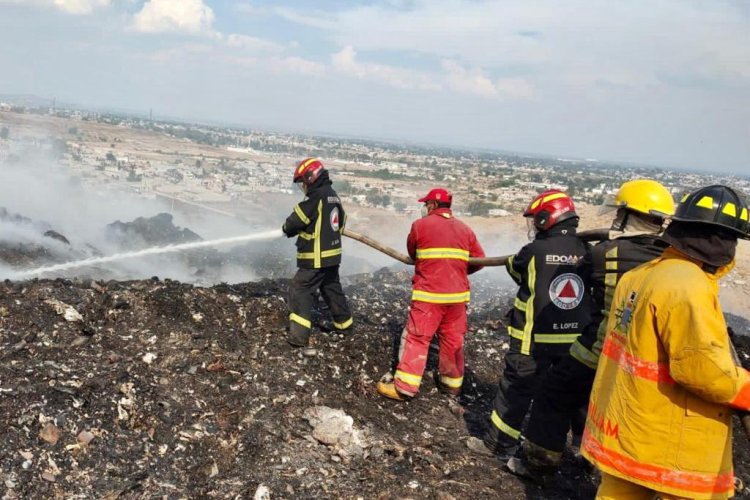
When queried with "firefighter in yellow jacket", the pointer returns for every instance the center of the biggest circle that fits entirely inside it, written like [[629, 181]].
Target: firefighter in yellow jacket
[[659, 419]]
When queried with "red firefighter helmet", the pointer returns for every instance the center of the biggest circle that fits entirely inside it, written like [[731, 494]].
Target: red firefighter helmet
[[308, 170], [549, 208], [438, 194]]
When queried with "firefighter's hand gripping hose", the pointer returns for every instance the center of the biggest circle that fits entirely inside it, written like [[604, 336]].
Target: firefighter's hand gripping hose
[[591, 235]]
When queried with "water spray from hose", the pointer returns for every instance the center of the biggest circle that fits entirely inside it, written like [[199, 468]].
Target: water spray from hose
[[267, 235]]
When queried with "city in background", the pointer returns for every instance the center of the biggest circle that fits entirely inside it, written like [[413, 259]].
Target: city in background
[[224, 166]]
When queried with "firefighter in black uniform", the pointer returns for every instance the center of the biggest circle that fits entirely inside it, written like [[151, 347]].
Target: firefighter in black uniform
[[642, 206], [550, 310], [318, 222]]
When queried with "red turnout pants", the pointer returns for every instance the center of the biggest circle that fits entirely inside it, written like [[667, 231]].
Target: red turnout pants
[[425, 319]]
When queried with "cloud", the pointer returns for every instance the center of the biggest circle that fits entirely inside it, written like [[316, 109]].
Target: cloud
[[180, 51], [250, 43], [278, 64], [182, 16], [476, 82], [468, 82], [629, 43], [268, 57], [517, 88], [293, 64], [78, 7], [195, 17], [345, 62], [322, 20], [234, 49], [245, 7], [454, 77]]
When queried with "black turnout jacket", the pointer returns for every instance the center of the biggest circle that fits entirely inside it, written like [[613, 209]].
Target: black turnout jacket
[[318, 222], [553, 303]]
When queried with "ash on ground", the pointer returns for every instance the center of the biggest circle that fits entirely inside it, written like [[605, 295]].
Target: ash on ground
[[154, 388]]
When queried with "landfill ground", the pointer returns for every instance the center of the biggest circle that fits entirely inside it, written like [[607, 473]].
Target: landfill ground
[[158, 389]]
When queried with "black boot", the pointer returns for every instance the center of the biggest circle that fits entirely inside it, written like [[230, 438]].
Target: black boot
[[534, 462], [489, 448], [298, 336]]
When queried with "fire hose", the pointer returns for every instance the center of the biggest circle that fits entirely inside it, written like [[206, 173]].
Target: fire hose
[[591, 235]]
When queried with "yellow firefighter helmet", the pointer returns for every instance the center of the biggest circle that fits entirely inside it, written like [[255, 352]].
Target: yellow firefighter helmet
[[646, 196]]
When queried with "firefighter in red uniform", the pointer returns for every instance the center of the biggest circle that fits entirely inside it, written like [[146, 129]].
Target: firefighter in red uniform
[[317, 222], [441, 246]]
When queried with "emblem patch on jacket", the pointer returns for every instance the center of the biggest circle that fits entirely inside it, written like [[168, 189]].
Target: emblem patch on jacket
[[566, 291], [335, 223], [625, 314]]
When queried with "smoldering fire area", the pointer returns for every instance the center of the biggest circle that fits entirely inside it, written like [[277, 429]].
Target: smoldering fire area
[[50, 218]]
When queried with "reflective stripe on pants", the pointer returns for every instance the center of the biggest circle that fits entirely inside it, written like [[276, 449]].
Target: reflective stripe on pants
[[302, 294]]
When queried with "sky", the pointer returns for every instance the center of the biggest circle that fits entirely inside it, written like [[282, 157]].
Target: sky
[[662, 82]]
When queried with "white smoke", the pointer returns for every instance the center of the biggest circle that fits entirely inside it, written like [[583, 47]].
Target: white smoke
[[38, 188]]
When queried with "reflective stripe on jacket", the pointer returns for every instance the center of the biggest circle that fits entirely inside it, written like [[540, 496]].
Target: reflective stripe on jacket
[[317, 221], [659, 413], [441, 246]]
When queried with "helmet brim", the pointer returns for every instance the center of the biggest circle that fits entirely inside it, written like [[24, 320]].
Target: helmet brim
[[737, 232], [609, 205], [606, 209], [658, 213]]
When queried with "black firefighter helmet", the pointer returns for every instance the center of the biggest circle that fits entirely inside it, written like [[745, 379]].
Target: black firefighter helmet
[[717, 205]]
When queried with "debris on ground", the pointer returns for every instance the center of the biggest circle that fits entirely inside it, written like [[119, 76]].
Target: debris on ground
[[156, 403]]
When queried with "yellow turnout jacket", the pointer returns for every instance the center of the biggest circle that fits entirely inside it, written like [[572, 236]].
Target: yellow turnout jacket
[[660, 409]]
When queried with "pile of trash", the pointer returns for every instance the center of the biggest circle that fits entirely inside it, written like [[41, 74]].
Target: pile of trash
[[149, 231], [24, 242], [156, 388]]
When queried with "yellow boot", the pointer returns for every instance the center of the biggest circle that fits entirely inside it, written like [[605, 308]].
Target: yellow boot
[[388, 390]]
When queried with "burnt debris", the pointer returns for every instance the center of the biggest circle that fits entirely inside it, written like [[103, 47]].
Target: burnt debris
[[159, 388]]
